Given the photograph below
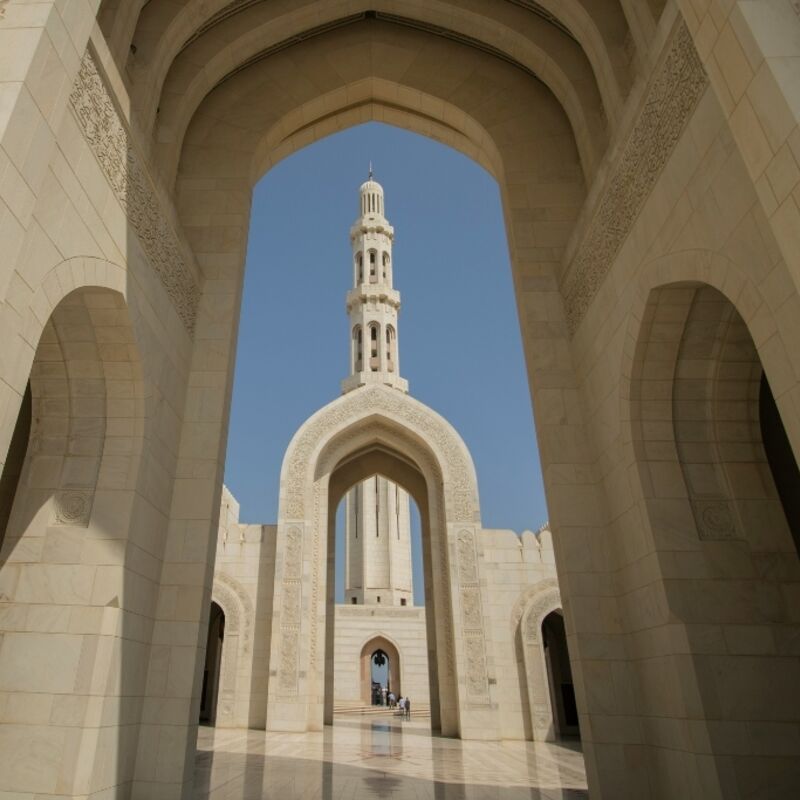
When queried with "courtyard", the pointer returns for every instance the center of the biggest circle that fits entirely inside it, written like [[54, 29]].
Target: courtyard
[[370, 757]]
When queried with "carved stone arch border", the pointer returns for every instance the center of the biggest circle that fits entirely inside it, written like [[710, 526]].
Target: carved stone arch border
[[229, 595], [441, 439], [540, 601], [378, 415]]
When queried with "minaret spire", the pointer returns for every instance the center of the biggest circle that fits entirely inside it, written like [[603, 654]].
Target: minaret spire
[[373, 304]]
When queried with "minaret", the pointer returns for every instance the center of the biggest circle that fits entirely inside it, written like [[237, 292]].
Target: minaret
[[377, 517], [372, 303]]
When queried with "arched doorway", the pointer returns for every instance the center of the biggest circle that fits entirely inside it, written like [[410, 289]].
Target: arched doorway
[[559, 675], [378, 430], [379, 668], [717, 479], [213, 665]]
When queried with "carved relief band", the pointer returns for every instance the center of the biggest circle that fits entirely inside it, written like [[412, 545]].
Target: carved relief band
[[472, 616], [671, 99], [110, 141], [291, 606]]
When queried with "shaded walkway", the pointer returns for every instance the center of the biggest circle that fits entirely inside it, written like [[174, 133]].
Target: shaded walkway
[[365, 759]]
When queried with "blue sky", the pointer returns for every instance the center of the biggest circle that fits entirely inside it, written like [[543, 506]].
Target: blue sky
[[458, 330]]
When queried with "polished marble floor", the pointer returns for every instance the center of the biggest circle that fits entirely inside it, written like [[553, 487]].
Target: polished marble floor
[[381, 757]]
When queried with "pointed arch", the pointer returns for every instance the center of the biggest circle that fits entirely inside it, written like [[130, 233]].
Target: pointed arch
[[380, 430]]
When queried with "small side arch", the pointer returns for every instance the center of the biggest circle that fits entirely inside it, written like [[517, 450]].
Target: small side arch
[[543, 601], [373, 643], [234, 692]]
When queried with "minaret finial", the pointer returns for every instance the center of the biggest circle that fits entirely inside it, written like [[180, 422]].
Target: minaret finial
[[370, 169]]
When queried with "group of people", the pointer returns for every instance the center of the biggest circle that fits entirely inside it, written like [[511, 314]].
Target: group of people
[[382, 697]]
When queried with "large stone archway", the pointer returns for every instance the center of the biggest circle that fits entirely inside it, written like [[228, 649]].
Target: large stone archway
[[348, 430]]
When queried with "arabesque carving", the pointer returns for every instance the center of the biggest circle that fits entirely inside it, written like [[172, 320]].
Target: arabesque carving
[[111, 143], [352, 407], [235, 601], [541, 604], [671, 99]]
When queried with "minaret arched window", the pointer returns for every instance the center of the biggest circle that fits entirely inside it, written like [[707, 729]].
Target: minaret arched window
[[390, 337], [373, 265], [373, 348], [358, 349], [360, 268], [385, 265]]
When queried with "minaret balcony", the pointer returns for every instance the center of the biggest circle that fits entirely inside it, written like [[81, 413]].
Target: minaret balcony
[[385, 378], [373, 293], [372, 223]]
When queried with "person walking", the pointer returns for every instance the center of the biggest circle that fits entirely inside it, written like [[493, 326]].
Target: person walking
[[402, 705], [408, 709]]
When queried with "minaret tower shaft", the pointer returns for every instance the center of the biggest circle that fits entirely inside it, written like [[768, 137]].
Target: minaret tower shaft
[[373, 304], [377, 516]]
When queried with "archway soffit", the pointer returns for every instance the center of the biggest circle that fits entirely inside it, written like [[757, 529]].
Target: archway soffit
[[378, 446], [237, 6], [380, 16]]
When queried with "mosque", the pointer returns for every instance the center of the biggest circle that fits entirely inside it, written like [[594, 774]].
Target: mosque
[[647, 159], [377, 636]]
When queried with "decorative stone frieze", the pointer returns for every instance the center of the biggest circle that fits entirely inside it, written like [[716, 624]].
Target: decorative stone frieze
[[291, 605], [413, 414], [111, 143], [472, 617], [671, 99]]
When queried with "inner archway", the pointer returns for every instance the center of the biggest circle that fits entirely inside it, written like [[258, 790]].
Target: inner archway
[[385, 461]]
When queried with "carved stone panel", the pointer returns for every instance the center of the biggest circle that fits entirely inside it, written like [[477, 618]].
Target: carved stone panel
[[111, 143], [467, 567], [671, 98], [294, 554]]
